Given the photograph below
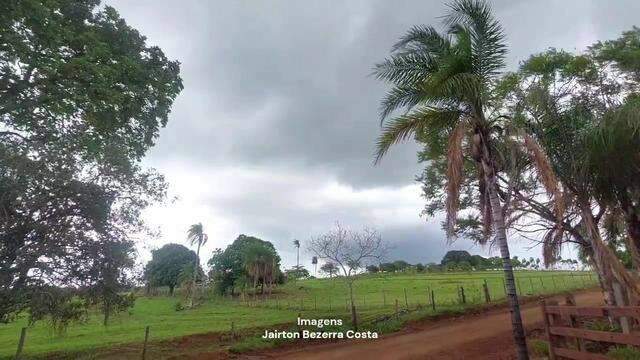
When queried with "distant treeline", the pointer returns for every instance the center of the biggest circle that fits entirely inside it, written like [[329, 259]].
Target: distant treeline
[[461, 260]]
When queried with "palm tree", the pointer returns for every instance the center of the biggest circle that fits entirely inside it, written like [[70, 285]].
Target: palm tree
[[296, 243], [445, 82], [314, 261], [196, 236]]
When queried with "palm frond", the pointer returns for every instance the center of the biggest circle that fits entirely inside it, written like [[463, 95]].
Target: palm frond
[[454, 176], [422, 38], [546, 174], [406, 69], [195, 233], [406, 126], [488, 48]]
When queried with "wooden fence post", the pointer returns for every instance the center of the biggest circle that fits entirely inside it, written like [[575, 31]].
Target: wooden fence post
[[406, 301], [23, 336], [384, 299], [462, 297], [504, 287], [397, 312], [531, 285], [146, 339], [541, 283], [433, 300], [547, 328], [485, 288], [329, 303], [571, 301]]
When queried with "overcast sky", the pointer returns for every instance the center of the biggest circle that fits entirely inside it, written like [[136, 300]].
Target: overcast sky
[[273, 134]]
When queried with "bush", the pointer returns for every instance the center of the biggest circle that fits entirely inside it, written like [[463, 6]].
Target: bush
[[178, 306], [539, 347], [624, 353]]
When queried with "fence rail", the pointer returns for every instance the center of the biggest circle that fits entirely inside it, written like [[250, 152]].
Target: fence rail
[[562, 327]]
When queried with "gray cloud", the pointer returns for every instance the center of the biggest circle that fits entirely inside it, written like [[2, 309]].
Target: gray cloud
[[283, 88]]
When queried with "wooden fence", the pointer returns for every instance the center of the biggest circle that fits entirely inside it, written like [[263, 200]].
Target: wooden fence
[[566, 335]]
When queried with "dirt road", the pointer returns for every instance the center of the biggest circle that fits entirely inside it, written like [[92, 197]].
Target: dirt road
[[483, 336]]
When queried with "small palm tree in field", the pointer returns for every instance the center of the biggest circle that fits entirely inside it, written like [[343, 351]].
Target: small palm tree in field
[[296, 243], [196, 236], [314, 262], [445, 81]]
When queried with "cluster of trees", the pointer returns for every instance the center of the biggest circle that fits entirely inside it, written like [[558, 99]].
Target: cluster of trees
[[82, 99], [248, 263], [550, 149]]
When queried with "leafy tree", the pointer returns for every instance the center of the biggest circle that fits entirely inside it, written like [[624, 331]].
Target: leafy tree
[[372, 269], [260, 264], [401, 265], [455, 256], [569, 102], [446, 84], [82, 98], [229, 268], [388, 267], [420, 268], [166, 265], [329, 268], [297, 272]]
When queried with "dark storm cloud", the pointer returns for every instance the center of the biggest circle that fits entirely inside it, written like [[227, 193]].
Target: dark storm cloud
[[286, 85]]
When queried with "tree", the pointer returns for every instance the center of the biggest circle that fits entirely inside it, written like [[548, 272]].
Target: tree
[[446, 82], [350, 251], [420, 267], [82, 98], [329, 268], [296, 243], [372, 269], [388, 267], [196, 236], [228, 267], [260, 262], [401, 265], [166, 264], [297, 272], [455, 256], [567, 101], [314, 262]]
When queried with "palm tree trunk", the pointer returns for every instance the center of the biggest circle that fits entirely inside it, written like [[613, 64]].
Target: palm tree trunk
[[509, 279], [195, 274]]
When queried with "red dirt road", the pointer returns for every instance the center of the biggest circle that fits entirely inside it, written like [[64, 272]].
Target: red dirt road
[[483, 336]]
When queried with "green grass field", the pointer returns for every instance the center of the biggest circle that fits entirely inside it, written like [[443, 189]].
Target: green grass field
[[375, 297]]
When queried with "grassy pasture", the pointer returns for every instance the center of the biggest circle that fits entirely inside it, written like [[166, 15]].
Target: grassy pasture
[[375, 297]]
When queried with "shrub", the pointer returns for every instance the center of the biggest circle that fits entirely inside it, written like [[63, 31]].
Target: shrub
[[539, 347], [178, 306], [624, 353]]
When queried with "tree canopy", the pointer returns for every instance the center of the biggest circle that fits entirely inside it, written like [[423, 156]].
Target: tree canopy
[[244, 259], [82, 99], [167, 264]]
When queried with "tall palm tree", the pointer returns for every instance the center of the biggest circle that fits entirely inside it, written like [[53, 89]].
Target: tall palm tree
[[314, 262], [296, 243], [445, 82], [196, 236]]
